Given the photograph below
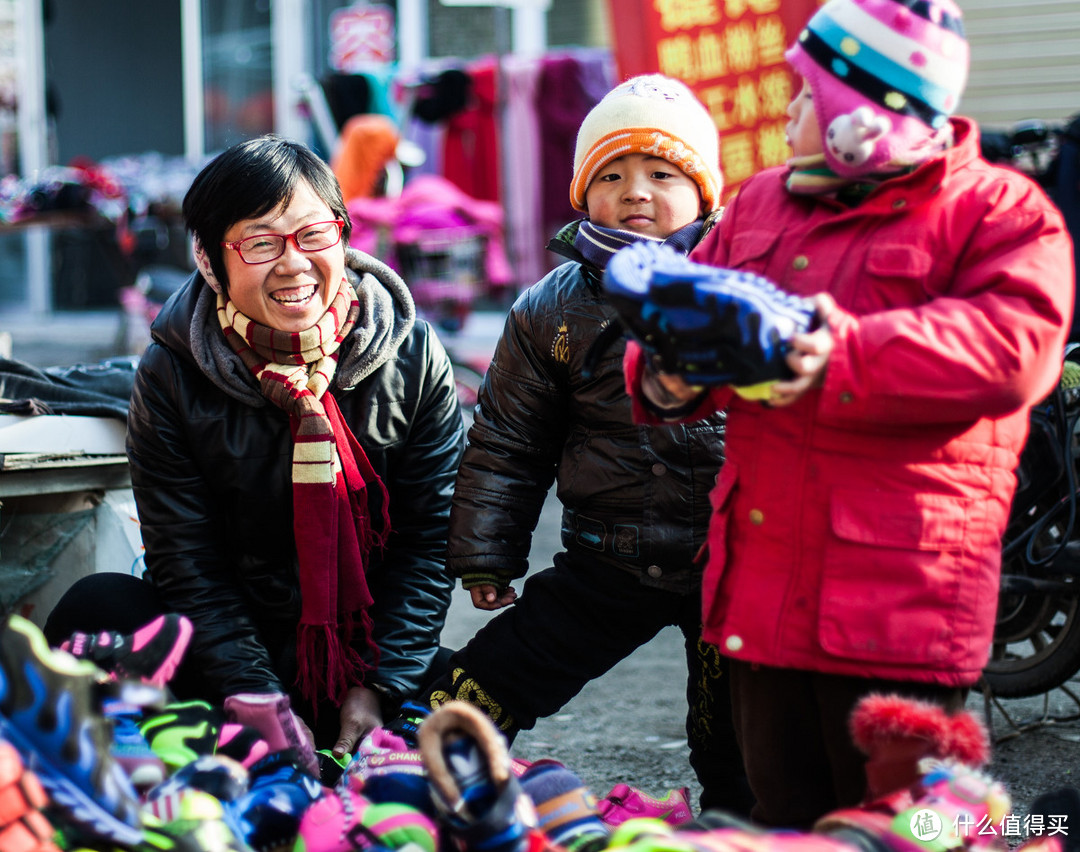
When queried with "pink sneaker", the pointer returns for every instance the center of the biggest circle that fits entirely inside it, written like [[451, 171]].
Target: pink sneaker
[[150, 654], [625, 802], [271, 715], [385, 769], [344, 821]]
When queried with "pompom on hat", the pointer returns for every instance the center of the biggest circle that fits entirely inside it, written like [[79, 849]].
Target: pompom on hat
[[650, 114], [885, 76]]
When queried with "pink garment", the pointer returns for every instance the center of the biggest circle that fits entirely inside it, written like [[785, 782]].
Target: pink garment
[[430, 202], [525, 233], [570, 85]]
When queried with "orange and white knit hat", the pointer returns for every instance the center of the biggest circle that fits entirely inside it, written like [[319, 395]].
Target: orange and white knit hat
[[650, 114]]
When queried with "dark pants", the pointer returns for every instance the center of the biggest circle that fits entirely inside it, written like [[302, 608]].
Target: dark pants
[[570, 625], [120, 602], [793, 729]]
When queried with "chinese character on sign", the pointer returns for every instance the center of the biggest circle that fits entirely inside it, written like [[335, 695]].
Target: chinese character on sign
[[684, 14], [677, 59], [737, 157], [361, 36], [772, 146], [774, 92]]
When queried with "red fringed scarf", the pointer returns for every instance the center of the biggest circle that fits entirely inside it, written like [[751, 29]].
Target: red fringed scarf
[[335, 490]]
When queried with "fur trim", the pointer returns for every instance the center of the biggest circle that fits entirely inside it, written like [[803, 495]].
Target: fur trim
[[879, 720]]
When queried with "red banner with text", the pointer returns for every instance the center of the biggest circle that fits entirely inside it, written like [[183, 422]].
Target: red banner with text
[[731, 53]]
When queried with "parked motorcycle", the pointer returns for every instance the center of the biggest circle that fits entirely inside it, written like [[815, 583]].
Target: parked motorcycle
[[1037, 634]]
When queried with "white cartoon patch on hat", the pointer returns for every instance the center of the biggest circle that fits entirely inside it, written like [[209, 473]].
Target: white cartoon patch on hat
[[851, 137]]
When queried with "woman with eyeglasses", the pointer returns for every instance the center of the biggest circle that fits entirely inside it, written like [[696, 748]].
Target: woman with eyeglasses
[[293, 437]]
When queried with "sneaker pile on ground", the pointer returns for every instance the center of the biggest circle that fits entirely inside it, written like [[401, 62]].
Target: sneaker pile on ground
[[96, 755]]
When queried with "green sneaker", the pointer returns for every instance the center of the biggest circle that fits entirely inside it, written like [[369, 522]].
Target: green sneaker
[[182, 731]]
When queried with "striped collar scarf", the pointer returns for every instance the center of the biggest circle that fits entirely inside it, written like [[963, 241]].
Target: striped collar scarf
[[597, 243], [810, 175], [336, 492]]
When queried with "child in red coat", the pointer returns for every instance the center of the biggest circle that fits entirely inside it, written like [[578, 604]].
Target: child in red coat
[[855, 543]]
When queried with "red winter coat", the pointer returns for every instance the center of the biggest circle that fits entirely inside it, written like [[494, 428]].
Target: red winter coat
[[858, 531]]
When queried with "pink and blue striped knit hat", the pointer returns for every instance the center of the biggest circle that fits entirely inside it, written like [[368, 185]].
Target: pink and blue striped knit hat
[[885, 75]]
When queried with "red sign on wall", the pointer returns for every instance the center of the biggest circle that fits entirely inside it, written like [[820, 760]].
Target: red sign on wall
[[731, 53], [361, 37]]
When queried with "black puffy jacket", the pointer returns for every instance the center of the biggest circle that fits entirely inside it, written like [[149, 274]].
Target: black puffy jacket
[[636, 497], [210, 465]]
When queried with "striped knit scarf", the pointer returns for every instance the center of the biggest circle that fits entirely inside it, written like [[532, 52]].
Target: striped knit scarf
[[811, 176], [598, 243], [335, 490]]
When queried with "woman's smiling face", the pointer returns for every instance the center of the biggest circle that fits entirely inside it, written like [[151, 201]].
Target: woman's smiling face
[[294, 291]]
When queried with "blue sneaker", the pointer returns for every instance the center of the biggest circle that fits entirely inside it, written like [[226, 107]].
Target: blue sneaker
[[477, 797], [267, 815], [407, 722], [709, 325], [48, 712]]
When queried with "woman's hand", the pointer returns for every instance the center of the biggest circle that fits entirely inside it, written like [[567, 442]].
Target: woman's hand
[[360, 714], [808, 358], [487, 596]]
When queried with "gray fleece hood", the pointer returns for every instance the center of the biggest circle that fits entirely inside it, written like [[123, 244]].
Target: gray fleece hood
[[387, 315]]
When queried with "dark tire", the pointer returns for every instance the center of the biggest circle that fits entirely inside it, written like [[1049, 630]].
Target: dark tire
[[1036, 645], [1036, 638]]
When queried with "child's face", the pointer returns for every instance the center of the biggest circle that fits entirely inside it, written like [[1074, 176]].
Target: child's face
[[643, 194], [803, 132]]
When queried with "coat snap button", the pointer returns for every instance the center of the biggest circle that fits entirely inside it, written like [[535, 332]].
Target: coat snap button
[[733, 643], [654, 571], [659, 469], [757, 517], [801, 262]]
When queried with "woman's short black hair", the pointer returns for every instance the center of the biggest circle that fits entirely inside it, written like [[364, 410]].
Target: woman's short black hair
[[249, 180]]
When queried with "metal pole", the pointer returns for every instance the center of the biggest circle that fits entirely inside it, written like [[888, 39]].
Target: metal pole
[[33, 143], [192, 69]]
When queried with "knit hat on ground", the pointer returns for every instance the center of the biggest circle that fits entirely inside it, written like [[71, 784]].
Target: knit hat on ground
[[885, 75], [650, 114]]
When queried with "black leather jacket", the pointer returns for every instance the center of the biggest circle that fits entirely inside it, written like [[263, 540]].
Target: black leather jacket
[[635, 497], [210, 463]]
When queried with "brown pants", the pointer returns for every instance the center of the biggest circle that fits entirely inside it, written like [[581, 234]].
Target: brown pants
[[792, 727]]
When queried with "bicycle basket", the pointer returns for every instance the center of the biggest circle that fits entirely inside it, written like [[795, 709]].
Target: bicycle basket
[[444, 270]]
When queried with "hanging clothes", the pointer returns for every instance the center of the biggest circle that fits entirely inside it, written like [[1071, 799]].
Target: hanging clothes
[[570, 85], [471, 151], [525, 237], [368, 143]]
